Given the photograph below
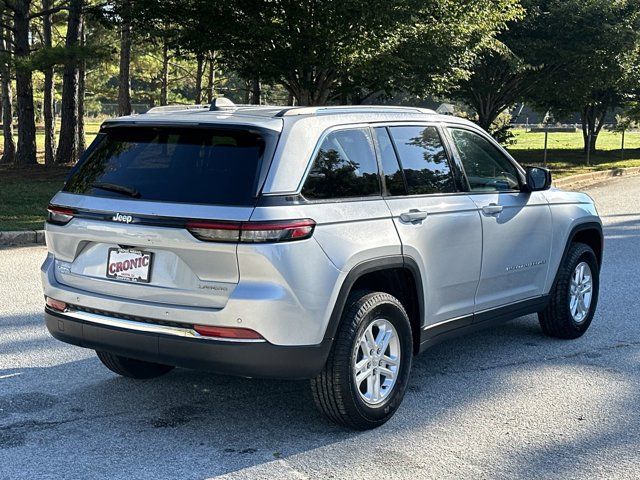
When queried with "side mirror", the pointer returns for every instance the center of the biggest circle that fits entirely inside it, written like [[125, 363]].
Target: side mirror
[[538, 178]]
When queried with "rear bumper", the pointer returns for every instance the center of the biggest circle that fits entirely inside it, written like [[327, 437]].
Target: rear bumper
[[247, 359]]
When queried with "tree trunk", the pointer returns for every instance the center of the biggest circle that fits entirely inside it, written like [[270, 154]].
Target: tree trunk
[[82, 78], [26, 153], [164, 80], [49, 92], [211, 80], [9, 150], [307, 98], [311, 88], [247, 92], [124, 78], [584, 120], [592, 119], [486, 117], [68, 141], [199, 75], [487, 107], [256, 90]]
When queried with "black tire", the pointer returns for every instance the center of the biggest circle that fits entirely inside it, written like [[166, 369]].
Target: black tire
[[334, 389], [132, 368], [556, 319]]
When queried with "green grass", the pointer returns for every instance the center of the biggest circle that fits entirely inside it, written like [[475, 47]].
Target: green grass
[[24, 195], [91, 129], [565, 155]]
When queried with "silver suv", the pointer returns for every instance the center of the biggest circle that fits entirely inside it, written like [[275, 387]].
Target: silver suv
[[323, 243]]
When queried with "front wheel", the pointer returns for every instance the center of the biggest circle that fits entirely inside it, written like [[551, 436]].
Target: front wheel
[[366, 374], [574, 296]]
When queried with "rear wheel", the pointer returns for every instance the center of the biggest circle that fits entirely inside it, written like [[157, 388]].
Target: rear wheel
[[366, 374], [132, 368], [574, 296]]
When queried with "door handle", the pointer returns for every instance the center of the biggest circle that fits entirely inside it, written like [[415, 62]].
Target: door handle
[[492, 209], [413, 215]]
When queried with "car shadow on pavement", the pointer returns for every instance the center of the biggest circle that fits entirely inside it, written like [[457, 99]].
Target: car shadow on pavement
[[224, 424]]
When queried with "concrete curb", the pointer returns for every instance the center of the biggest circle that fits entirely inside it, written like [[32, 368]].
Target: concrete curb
[[584, 179], [26, 237]]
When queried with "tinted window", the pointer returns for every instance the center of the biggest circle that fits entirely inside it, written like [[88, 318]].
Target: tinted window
[[345, 166], [423, 160], [487, 169], [392, 173], [192, 165]]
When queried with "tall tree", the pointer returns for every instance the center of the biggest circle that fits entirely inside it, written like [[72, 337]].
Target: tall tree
[[49, 92], [82, 80], [447, 40], [26, 152], [9, 150], [500, 78], [211, 77], [316, 49], [256, 91], [199, 76], [505, 71], [68, 142], [595, 44], [124, 77], [164, 74]]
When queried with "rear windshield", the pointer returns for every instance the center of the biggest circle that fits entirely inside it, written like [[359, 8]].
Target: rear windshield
[[186, 165]]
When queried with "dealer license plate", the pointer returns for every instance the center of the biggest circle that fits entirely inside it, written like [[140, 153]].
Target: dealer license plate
[[129, 265]]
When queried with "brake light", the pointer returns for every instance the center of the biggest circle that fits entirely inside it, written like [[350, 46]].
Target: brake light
[[252, 232], [227, 332], [59, 215], [56, 304]]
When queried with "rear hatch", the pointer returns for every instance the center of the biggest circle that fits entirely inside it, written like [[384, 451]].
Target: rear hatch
[[125, 224]]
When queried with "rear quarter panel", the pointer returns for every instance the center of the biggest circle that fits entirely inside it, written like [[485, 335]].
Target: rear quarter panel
[[348, 232]]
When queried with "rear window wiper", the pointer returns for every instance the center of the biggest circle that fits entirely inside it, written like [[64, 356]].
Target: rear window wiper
[[114, 187]]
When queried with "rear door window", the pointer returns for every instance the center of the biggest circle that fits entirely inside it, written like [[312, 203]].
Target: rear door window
[[345, 166], [424, 160], [184, 165]]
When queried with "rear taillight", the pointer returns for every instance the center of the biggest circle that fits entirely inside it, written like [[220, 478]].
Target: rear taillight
[[56, 304], [215, 231], [59, 215], [252, 232], [227, 332]]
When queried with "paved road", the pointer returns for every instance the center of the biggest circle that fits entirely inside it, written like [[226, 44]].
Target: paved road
[[508, 403]]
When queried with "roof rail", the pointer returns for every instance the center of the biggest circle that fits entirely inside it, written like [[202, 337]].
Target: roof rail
[[175, 108], [291, 111]]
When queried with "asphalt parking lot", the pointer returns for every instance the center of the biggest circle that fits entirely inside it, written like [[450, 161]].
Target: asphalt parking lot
[[505, 403]]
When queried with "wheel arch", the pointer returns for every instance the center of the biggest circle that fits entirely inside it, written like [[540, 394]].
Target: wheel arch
[[397, 275], [589, 233]]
